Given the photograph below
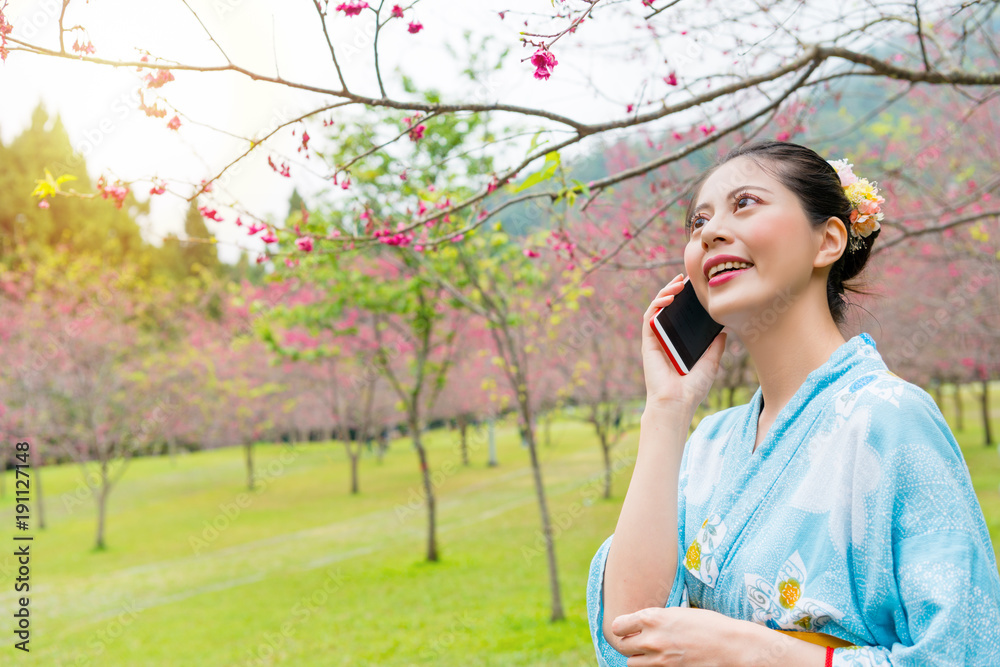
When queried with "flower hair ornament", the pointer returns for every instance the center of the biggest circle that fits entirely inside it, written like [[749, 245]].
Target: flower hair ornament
[[866, 204]]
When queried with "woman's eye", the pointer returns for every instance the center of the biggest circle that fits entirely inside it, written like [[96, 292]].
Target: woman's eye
[[697, 222], [744, 200]]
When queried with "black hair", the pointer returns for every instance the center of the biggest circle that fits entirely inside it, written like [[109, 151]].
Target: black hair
[[816, 184]]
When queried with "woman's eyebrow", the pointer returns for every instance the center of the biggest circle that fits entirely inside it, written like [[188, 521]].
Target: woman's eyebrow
[[732, 193]]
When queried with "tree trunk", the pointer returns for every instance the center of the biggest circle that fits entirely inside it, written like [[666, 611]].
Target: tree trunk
[[606, 450], [731, 401], [548, 429], [383, 444], [493, 443], [986, 412], [248, 451], [354, 455], [102, 504], [463, 427], [39, 504], [550, 547], [938, 398], [432, 550], [959, 420]]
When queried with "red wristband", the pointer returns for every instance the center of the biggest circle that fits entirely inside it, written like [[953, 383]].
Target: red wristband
[[829, 656]]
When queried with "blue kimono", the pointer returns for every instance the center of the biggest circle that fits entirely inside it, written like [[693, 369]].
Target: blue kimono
[[855, 517]]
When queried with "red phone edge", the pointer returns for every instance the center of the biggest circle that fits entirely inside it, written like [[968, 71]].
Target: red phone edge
[[663, 343]]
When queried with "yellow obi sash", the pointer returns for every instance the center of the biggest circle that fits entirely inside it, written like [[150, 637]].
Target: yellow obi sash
[[817, 638]]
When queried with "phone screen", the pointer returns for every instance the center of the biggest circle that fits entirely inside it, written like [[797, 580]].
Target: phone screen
[[687, 326]]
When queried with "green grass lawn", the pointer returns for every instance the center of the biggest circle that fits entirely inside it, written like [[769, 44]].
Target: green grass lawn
[[302, 573]]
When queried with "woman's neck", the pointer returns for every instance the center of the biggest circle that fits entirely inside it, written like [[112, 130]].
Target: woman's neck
[[798, 343]]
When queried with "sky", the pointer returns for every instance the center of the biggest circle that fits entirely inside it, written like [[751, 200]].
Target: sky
[[99, 105]]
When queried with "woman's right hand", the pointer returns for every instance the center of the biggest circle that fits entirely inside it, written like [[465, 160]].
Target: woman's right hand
[[664, 385]]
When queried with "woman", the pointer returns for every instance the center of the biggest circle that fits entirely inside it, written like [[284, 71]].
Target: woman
[[835, 507]]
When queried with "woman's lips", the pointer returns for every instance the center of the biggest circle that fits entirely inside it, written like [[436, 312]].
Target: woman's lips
[[726, 275]]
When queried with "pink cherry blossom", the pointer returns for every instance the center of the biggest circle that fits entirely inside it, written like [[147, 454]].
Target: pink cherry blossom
[[397, 12], [305, 244], [43, 204], [5, 29], [544, 62], [783, 136], [269, 237], [162, 77], [210, 213], [528, 252], [158, 188], [671, 79], [174, 123], [116, 192], [415, 27], [87, 48], [417, 133], [352, 8], [256, 227], [285, 170]]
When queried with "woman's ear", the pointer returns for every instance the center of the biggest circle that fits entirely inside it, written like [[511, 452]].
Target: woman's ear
[[833, 242]]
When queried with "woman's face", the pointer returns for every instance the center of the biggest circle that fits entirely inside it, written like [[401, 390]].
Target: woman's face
[[746, 213]]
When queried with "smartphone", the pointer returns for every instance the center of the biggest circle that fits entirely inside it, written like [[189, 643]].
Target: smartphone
[[685, 329]]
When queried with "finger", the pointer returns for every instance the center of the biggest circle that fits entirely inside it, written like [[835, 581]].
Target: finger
[[673, 286], [640, 660], [713, 355], [656, 304], [627, 624]]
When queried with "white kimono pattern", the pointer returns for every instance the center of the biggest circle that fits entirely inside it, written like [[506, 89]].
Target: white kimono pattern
[[855, 517]]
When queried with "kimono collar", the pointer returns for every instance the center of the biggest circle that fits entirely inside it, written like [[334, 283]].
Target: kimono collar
[[853, 359]]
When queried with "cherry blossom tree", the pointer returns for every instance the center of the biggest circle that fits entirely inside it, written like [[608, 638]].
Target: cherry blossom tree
[[83, 341]]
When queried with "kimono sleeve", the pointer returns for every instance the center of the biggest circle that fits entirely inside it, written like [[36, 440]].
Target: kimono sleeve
[[607, 656], [924, 568]]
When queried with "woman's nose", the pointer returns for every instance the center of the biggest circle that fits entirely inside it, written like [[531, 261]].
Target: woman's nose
[[714, 231]]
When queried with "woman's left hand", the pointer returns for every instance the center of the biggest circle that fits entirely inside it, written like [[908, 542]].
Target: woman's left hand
[[680, 636]]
